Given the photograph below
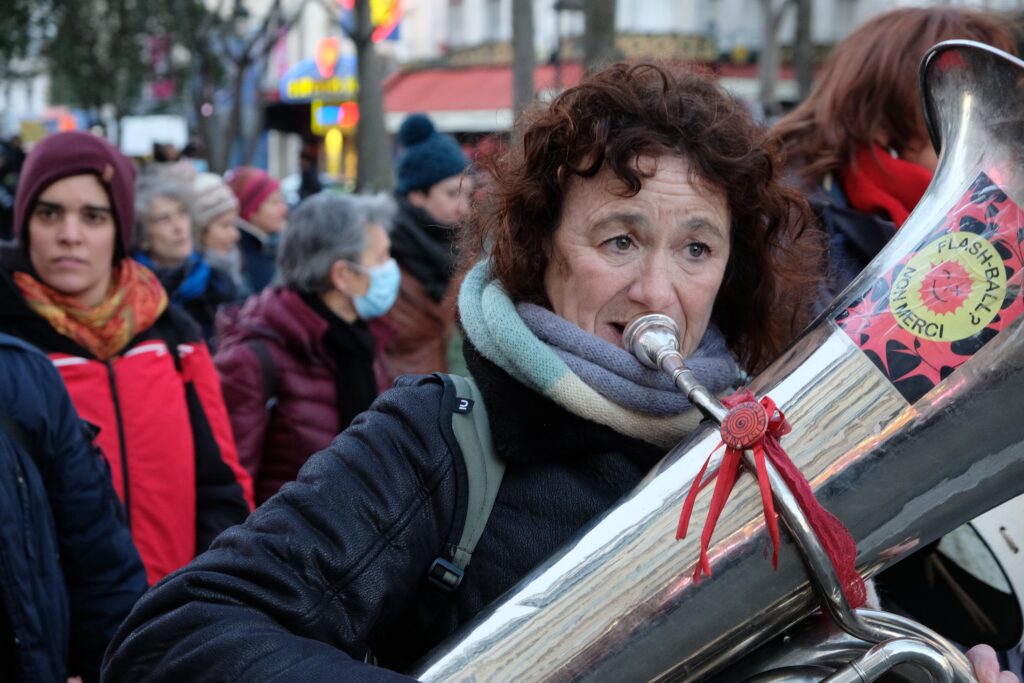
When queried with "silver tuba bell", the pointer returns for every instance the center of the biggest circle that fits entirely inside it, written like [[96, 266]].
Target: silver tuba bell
[[902, 402]]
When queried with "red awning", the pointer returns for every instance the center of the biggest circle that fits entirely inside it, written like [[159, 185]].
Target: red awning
[[479, 98], [466, 88], [464, 99]]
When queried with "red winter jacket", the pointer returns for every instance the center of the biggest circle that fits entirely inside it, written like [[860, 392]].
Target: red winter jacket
[[273, 445], [162, 427]]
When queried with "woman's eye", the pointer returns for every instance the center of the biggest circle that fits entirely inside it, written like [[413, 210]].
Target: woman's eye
[[45, 213], [697, 249], [620, 242]]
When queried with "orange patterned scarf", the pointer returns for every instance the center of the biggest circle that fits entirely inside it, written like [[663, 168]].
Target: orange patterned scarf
[[135, 300]]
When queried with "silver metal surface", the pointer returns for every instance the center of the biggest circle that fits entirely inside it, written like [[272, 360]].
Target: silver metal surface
[[884, 657], [817, 645], [620, 603], [654, 339]]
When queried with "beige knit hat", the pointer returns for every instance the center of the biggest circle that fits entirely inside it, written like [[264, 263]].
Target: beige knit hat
[[213, 197]]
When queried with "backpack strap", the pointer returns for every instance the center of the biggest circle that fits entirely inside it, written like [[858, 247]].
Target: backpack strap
[[266, 369], [484, 472]]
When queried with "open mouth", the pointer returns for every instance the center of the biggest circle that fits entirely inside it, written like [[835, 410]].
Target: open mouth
[[615, 333]]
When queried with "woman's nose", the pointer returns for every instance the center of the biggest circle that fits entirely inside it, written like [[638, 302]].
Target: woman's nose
[[70, 229], [183, 222], [652, 287]]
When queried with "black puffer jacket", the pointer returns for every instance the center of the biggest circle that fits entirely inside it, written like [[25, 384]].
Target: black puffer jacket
[[337, 560]]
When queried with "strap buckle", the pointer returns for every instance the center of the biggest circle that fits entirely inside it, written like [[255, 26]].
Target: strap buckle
[[444, 575]]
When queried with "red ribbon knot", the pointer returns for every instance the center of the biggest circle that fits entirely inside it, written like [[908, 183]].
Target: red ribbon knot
[[758, 426]]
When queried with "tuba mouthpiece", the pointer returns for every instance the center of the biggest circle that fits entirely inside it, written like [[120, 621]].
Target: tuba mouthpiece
[[649, 336], [654, 339]]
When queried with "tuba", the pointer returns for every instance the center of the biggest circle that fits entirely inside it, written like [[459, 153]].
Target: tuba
[[901, 398]]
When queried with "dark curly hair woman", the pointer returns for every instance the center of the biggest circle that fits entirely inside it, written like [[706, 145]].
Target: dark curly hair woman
[[643, 189]]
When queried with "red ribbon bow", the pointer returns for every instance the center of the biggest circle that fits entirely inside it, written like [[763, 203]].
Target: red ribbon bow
[[758, 426]]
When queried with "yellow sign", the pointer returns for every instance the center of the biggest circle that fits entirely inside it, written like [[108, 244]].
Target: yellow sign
[[324, 117], [32, 131], [384, 15], [336, 88], [951, 289]]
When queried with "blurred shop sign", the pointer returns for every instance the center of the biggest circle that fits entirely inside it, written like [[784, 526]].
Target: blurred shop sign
[[327, 116], [384, 14], [329, 76], [138, 133]]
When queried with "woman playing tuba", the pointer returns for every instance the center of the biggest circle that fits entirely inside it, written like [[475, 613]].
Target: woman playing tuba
[[643, 189]]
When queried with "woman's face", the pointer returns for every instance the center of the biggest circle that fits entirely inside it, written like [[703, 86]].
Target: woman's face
[[222, 234], [921, 152], [168, 234], [663, 250], [376, 252], [72, 235], [272, 214], [447, 201]]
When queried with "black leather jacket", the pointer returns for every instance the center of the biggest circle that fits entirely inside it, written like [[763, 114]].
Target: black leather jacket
[[336, 561]]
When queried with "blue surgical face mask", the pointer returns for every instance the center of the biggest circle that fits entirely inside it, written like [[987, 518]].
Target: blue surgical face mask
[[383, 290]]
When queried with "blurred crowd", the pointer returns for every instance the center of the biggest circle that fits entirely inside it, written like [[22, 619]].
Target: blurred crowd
[[175, 345], [210, 341]]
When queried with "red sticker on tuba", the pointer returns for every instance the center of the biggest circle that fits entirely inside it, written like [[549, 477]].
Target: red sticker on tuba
[[949, 297]]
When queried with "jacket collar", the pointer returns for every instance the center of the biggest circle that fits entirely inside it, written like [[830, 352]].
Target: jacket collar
[[252, 231]]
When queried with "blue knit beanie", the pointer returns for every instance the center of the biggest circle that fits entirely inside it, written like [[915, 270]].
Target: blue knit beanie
[[429, 156]]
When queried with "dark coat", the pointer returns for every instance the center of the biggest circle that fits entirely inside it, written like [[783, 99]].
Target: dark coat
[[274, 444], [69, 573], [259, 256], [854, 237], [199, 289], [221, 291], [337, 560], [424, 312]]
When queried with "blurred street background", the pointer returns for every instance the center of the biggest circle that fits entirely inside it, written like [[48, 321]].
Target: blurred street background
[[314, 90]]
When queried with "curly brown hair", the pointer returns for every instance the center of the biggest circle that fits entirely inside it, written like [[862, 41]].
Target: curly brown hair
[[609, 120], [867, 92]]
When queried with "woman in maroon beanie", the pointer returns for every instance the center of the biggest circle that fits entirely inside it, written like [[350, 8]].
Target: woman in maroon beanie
[[135, 366], [262, 215]]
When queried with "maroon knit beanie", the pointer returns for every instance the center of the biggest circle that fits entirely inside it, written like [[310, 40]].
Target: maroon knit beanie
[[252, 186], [76, 153]]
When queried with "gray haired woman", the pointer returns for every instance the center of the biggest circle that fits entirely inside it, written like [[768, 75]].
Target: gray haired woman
[[299, 360], [164, 242]]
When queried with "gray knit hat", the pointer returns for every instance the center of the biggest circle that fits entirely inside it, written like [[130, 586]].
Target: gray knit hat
[[213, 197]]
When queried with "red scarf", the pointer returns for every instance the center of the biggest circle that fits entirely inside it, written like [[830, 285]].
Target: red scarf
[[135, 300], [880, 184]]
